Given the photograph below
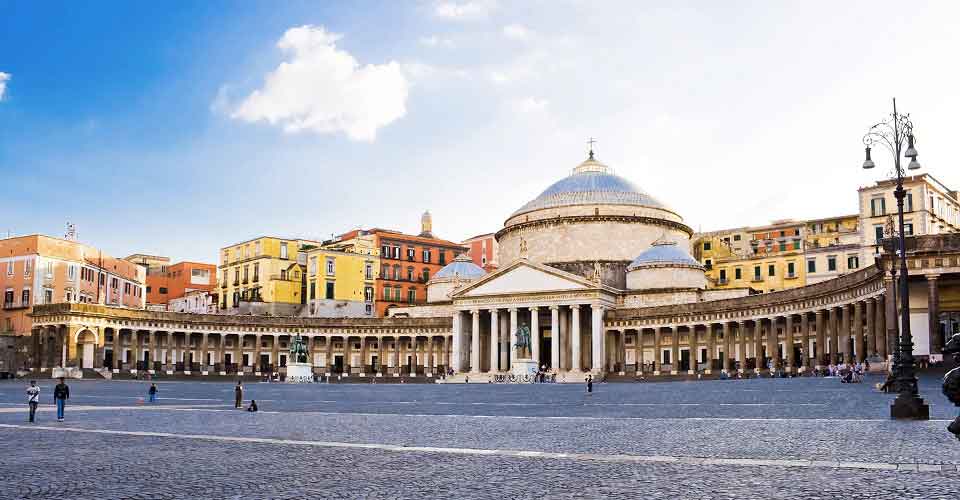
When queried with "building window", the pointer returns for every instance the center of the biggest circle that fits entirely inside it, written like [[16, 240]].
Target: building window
[[396, 252], [738, 273], [706, 246], [28, 268], [24, 297], [442, 257], [908, 229], [878, 207], [426, 255], [386, 293], [411, 253], [126, 288], [246, 273], [756, 273], [878, 232], [368, 294], [385, 251], [796, 244], [71, 271], [283, 274], [163, 291], [426, 275], [708, 264], [396, 272], [397, 294], [909, 202], [330, 287], [331, 270], [853, 262], [831, 263], [368, 271], [47, 296], [783, 246], [313, 266], [283, 250], [148, 288], [412, 295], [256, 271], [791, 269], [736, 237], [256, 248], [313, 290], [723, 275], [771, 270], [811, 266]]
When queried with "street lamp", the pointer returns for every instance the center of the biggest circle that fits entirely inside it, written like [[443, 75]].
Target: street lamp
[[892, 133]]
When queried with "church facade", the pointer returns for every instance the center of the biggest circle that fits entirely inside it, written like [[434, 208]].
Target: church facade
[[595, 276]]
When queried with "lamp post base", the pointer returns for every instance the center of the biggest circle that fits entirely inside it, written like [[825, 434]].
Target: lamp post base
[[909, 407]]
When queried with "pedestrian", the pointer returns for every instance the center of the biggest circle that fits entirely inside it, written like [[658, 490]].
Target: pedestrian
[[33, 399], [238, 396], [153, 393], [61, 393], [253, 406], [589, 384]]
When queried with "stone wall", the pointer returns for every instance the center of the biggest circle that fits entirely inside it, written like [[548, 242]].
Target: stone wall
[[612, 273], [8, 350], [326, 308], [666, 276], [587, 238], [436, 310]]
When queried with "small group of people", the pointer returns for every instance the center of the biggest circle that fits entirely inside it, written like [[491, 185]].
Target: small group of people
[[61, 393], [848, 373], [238, 399]]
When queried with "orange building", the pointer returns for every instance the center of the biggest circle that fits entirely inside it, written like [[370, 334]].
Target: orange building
[[406, 261], [484, 250], [173, 281], [38, 269]]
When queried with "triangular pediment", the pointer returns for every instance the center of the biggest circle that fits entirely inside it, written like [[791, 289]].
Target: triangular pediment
[[525, 277]]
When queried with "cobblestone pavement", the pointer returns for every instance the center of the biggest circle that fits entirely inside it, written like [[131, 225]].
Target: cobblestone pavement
[[800, 438]]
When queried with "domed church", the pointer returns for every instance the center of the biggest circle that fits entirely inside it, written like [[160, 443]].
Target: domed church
[[591, 242]]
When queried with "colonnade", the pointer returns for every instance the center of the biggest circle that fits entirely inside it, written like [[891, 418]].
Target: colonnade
[[848, 333], [562, 337], [133, 350]]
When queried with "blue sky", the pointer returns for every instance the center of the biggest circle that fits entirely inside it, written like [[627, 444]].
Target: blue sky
[[177, 128]]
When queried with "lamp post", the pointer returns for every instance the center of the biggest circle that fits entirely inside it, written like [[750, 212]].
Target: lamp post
[[893, 133]]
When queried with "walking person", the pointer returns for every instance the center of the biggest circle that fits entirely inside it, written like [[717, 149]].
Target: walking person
[[153, 393], [33, 399], [61, 393], [589, 384], [238, 396]]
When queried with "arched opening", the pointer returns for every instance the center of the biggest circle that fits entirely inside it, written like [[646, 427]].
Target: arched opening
[[86, 348]]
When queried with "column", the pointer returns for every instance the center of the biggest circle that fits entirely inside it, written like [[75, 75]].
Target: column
[[430, 351], [134, 349], [758, 361], [512, 348], [890, 313], [711, 347], [381, 356], [657, 356], [933, 312], [858, 348], [347, 354], [674, 349], [475, 342], [742, 333], [772, 343], [396, 355], [494, 340], [417, 356], [834, 336], [576, 365], [871, 327], [788, 344], [821, 338], [727, 343], [881, 326], [117, 357], [238, 354], [457, 344], [400, 353], [259, 345], [203, 354], [535, 335], [364, 354], [638, 347], [564, 315], [844, 338], [692, 346], [805, 335], [596, 331], [168, 353], [554, 339], [504, 342]]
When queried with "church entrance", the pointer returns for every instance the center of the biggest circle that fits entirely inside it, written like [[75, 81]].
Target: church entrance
[[546, 351]]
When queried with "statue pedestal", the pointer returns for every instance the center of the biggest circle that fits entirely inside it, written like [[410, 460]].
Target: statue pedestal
[[523, 367], [299, 373]]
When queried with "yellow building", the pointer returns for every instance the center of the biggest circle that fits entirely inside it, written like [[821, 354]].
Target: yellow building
[[264, 275], [833, 247], [765, 259], [340, 284]]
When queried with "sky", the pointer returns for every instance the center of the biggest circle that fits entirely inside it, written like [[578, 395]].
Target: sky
[[177, 128]]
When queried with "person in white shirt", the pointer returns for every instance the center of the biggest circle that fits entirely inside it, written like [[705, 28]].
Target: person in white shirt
[[33, 399]]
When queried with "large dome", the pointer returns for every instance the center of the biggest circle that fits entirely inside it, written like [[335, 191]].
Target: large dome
[[591, 183]]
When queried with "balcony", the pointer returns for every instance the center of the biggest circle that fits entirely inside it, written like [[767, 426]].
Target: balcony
[[223, 285], [236, 282], [245, 281], [723, 281]]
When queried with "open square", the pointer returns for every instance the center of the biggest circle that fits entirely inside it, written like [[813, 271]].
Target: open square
[[770, 438]]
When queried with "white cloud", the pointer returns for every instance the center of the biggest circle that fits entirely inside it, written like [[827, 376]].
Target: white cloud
[[325, 90], [435, 41], [530, 105], [464, 11], [516, 32], [4, 78]]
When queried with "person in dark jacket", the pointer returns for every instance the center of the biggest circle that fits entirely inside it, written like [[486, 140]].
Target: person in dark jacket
[[253, 405], [61, 393], [238, 396], [153, 393], [589, 384]]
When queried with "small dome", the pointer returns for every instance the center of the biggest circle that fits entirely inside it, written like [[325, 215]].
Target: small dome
[[461, 266], [663, 252], [591, 183]]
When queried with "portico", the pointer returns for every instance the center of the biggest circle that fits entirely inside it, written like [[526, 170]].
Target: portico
[[563, 313]]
